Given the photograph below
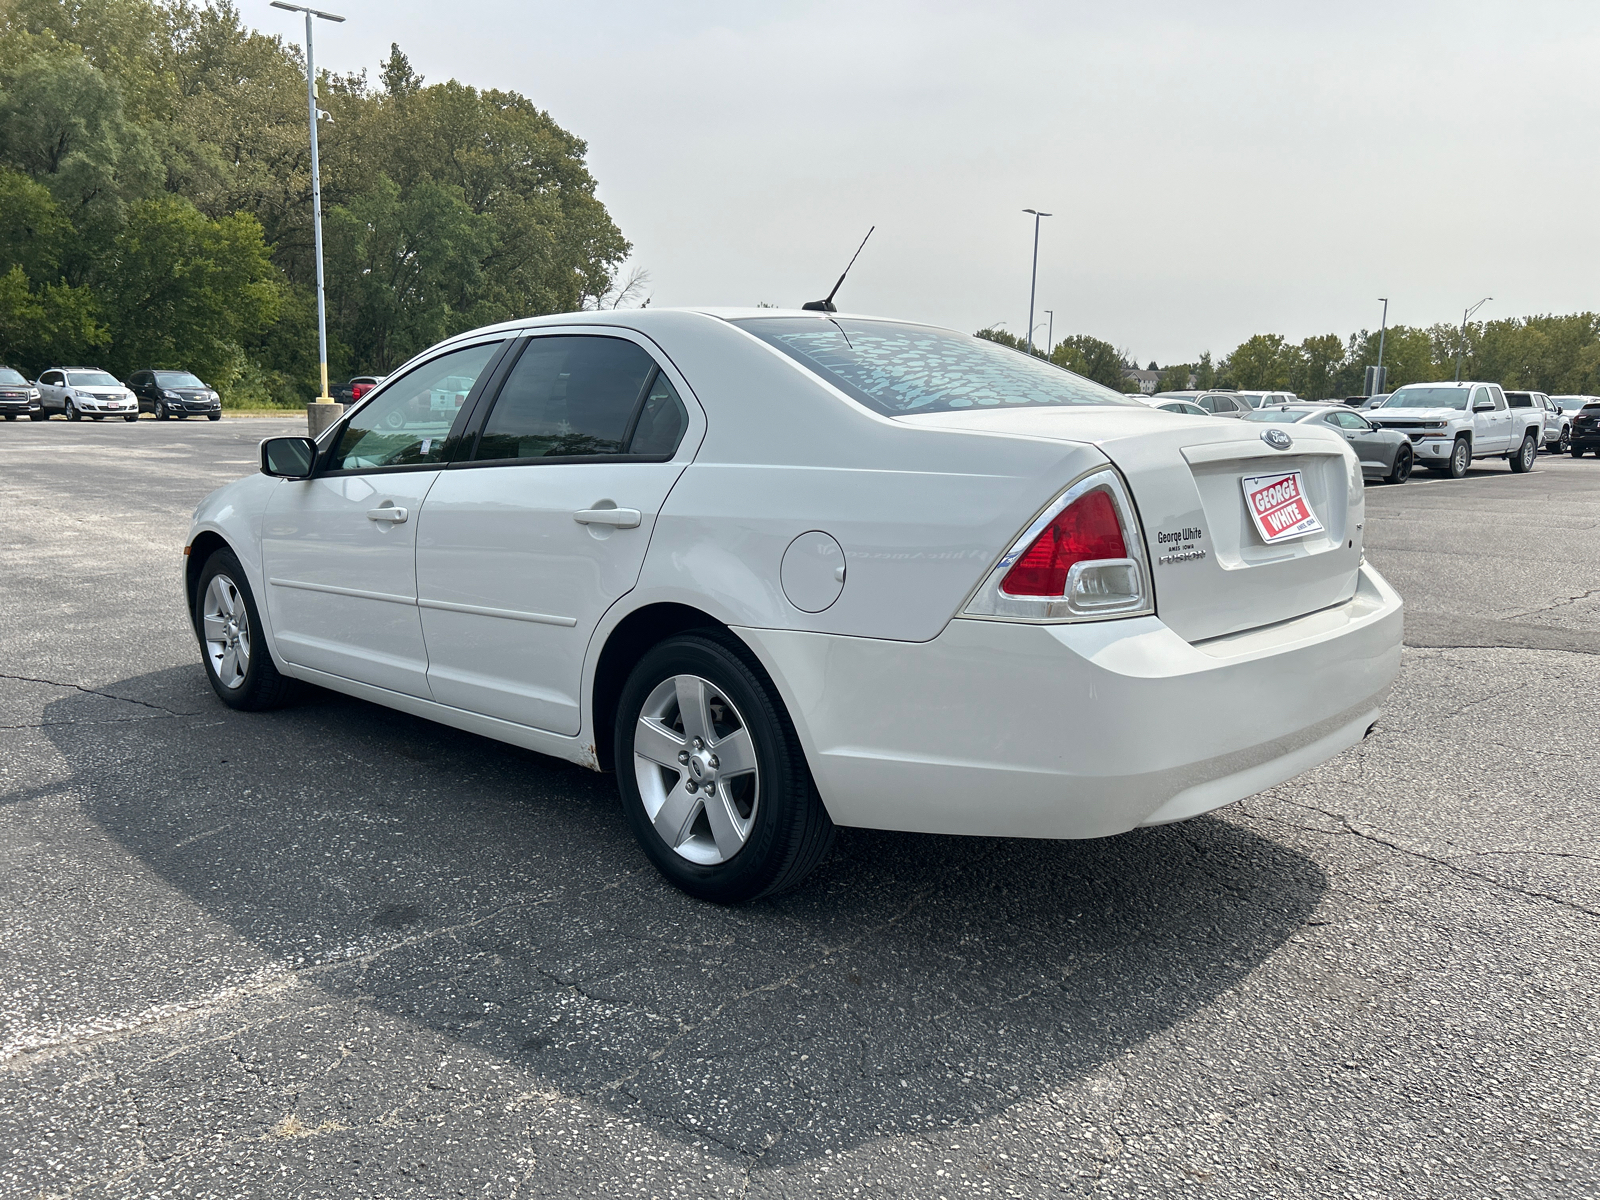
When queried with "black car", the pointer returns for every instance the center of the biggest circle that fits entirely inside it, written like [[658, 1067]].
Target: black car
[[175, 394], [17, 395], [1586, 428]]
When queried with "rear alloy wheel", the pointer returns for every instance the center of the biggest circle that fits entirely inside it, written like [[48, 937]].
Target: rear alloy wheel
[[238, 663], [72, 412], [1527, 454], [1403, 462], [1460, 459], [712, 777]]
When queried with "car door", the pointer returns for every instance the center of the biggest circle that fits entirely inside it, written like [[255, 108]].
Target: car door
[[339, 549], [51, 389], [1488, 436], [528, 540], [139, 385], [1370, 446]]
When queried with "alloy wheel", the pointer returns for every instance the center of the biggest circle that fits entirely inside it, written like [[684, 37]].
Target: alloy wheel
[[695, 763], [225, 622]]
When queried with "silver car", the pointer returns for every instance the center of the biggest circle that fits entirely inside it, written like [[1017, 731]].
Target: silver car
[[78, 392], [1216, 404], [1385, 454]]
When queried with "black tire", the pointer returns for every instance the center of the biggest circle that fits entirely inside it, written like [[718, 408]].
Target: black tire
[[161, 411], [1460, 459], [789, 830], [41, 415], [1403, 462], [97, 416], [72, 413], [262, 686], [1525, 455], [1576, 452], [131, 417], [213, 416], [11, 416]]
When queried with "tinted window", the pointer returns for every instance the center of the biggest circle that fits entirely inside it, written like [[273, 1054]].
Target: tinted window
[[899, 370], [1519, 400], [177, 379], [1348, 420], [661, 422], [7, 375], [52, 378], [567, 397], [409, 420]]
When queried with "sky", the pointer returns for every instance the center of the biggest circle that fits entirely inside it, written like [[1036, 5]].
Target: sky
[[1215, 170]]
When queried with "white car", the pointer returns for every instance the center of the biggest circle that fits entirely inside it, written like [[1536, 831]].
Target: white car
[[783, 571], [80, 392]]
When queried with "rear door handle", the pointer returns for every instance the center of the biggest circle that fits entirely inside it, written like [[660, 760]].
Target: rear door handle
[[387, 513], [617, 518]]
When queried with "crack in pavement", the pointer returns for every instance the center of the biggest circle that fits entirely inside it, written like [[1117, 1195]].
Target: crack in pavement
[[1558, 604], [89, 691], [1447, 863]]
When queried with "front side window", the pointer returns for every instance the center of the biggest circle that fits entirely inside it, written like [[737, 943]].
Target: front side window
[[900, 370], [408, 423], [577, 397], [51, 379]]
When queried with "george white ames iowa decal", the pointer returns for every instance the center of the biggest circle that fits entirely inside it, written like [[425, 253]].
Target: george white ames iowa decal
[[1279, 506]]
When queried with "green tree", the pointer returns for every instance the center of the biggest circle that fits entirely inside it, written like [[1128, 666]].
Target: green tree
[[1265, 361], [183, 290], [1314, 370], [1093, 359], [42, 327], [1205, 373], [1175, 378], [33, 232]]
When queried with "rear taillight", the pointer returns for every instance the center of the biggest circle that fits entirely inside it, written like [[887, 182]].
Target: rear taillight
[[358, 390], [1081, 559], [1086, 529]]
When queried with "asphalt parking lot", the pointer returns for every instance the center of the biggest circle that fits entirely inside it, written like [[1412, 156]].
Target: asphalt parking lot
[[337, 951]]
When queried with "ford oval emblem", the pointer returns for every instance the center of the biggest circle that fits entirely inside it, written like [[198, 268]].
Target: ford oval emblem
[[1277, 439]]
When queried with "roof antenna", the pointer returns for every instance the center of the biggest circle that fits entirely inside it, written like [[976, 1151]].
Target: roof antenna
[[827, 305]]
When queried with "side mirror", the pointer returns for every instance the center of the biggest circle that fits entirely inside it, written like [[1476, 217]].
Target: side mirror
[[1483, 406], [288, 457]]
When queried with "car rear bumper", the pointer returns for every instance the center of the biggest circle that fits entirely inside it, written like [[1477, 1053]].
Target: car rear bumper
[[1073, 731]]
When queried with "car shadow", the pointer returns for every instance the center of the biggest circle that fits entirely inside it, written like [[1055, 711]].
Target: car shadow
[[495, 897]]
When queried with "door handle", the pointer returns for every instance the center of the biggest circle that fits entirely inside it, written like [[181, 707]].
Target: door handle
[[617, 518], [387, 513]]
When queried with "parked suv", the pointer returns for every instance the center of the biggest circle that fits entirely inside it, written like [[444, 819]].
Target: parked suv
[[1450, 424], [1585, 426], [1255, 399], [17, 395], [1218, 404], [175, 394], [79, 392], [1557, 425]]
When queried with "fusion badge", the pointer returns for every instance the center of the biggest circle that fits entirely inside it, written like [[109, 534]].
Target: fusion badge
[[1279, 507]]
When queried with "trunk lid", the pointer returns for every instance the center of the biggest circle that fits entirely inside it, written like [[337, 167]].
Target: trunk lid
[[1214, 573]]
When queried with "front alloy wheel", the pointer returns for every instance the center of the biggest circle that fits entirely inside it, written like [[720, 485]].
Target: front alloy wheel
[[161, 411], [1460, 459], [711, 773], [238, 663], [72, 412]]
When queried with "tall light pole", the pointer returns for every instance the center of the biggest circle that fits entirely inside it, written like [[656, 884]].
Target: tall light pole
[[1461, 345], [1377, 380], [1033, 288], [319, 420], [1050, 332]]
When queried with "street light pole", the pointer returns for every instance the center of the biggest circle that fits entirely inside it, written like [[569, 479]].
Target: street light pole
[[1461, 343], [1377, 383], [1033, 287], [1050, 332], [319, 417]]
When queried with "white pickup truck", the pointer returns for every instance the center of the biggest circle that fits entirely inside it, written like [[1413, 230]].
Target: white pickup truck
[[1450, 424]]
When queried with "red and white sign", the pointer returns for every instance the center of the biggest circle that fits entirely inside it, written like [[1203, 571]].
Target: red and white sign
[[1279, 506]]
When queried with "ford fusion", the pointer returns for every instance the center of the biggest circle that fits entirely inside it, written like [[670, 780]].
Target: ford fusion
[[783, 571]]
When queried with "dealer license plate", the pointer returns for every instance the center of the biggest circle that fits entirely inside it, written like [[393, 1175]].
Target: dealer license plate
[[1279, 506]]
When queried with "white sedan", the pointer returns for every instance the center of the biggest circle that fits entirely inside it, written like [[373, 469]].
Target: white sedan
[[782, 571]]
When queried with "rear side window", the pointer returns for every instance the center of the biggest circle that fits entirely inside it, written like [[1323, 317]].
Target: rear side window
[[582, 397]]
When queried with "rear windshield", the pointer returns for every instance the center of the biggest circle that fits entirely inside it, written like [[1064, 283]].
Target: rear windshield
[[91, 379], [177, 379], [1429, 397], [1283, 416], [7, 375], [899, 370], [1519, 399]]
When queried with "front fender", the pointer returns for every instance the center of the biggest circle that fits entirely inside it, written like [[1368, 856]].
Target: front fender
[[232, 516]]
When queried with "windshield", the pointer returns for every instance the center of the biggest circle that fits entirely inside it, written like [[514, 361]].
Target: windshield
[[1429, 397], [899, 370], [7, 375], [177, 379], [90, 379], [1282, 416]]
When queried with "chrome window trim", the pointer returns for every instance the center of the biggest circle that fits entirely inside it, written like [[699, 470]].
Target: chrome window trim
[[987, 602]]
